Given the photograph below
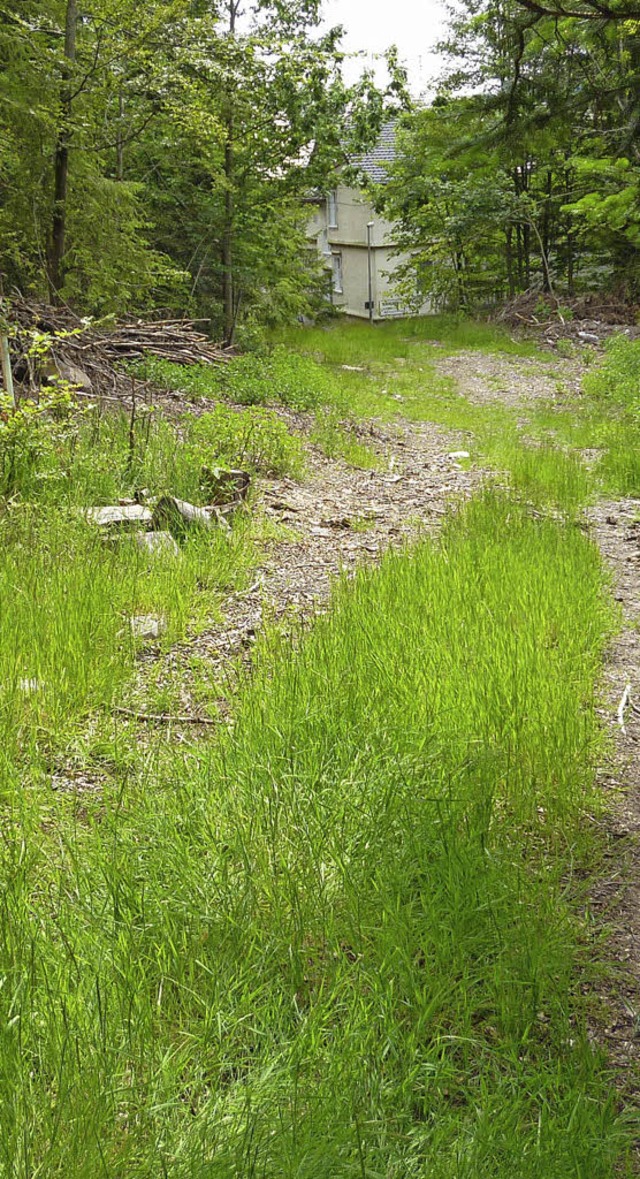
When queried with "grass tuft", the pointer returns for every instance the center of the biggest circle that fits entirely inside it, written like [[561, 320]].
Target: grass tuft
[[338, 940]]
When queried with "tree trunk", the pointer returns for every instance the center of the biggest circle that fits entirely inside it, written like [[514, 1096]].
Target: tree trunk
[[546, 236], [228, 299], [119, 139], [228, 285], [509, 260], [526, 246], [570, 234], [61, 162]]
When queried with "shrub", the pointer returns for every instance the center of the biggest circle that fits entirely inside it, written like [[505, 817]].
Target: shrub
[[253, 438], [33, 437], [618, 377], [280, 377]]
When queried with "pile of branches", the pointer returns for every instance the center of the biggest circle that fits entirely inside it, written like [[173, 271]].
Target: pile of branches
[[45, 340], [590, 318]]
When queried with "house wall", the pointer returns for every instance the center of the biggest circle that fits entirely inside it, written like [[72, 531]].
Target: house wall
[[348, 239]]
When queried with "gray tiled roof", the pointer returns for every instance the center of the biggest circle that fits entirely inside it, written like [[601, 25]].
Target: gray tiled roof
[[373, 162]]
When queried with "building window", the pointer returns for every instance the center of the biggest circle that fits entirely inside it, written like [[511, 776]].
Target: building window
[[332, 209], [336, 268]]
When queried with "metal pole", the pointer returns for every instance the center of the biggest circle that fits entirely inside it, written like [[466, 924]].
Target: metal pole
[[369, 270], [7, 376], [5, 358]]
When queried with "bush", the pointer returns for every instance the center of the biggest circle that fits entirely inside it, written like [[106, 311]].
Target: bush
[[278, 378], [618, 377], [33, 437], [253, 438]]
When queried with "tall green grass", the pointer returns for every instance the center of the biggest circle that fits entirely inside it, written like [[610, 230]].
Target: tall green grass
[[68, 595], [102, 458], [603, 419], [338, 940], [358, 342]]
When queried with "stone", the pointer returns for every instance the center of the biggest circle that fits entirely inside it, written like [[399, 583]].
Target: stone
[[75, 376], [147, 626], [157, 543], [120, 516], [224, 485], [458, 454]]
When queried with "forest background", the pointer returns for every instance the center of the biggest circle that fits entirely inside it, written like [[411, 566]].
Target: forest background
[[160, 155]]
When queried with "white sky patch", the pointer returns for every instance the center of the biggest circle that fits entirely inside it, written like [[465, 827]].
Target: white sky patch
[[415, 26]]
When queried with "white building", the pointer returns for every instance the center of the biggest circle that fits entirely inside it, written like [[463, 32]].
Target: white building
[[353, 241]]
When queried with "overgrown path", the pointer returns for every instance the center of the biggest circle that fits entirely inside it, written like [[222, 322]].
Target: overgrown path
[[341, 517], [337, 519], [615, 526], [347, 932]]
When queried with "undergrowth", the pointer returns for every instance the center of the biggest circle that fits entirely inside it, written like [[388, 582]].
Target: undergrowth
[[604, 420], [98, 458], [338, 940], [68, 597], [342, 937], [277, 377]]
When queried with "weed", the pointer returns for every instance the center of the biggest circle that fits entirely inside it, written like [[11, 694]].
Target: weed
[[617, 378], [337, 439], [255, 438], [565, 348], [277, 377], [357, 343], [67, 598], [340, 938], [341, 931], [362, 523]]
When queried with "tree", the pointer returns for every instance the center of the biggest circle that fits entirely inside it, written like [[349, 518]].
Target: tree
[[161, 152], [545, 113]]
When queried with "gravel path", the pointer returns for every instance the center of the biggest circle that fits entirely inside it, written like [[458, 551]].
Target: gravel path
[[338, 519], [341, 518], [615, 902]]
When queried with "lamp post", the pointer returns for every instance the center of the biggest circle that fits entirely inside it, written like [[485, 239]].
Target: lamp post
[[370, 225]]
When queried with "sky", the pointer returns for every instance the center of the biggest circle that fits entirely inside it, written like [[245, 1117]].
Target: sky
[[372, 25]]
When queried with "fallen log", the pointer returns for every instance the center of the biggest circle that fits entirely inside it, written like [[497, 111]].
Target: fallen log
[[121, 516], [178, 516], [224, 485]]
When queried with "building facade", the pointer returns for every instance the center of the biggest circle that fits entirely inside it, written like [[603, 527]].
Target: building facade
[[354, 243]]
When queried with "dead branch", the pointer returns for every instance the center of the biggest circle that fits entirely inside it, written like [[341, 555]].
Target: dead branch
[[162, 718], [626, 696]]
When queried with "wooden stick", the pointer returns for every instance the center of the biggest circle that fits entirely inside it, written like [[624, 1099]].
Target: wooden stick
[[162, 718], [626, 696], [7, 375]]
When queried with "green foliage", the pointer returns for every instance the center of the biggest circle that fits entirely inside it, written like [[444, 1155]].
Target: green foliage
[[34, 435], [110, 265], [55, 453], [252, 438], [617, 378], [338, 937], [179, 139], [276, 377], [281, 376], [337, 438], [345, 934], [523, 174], [66, 645]]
